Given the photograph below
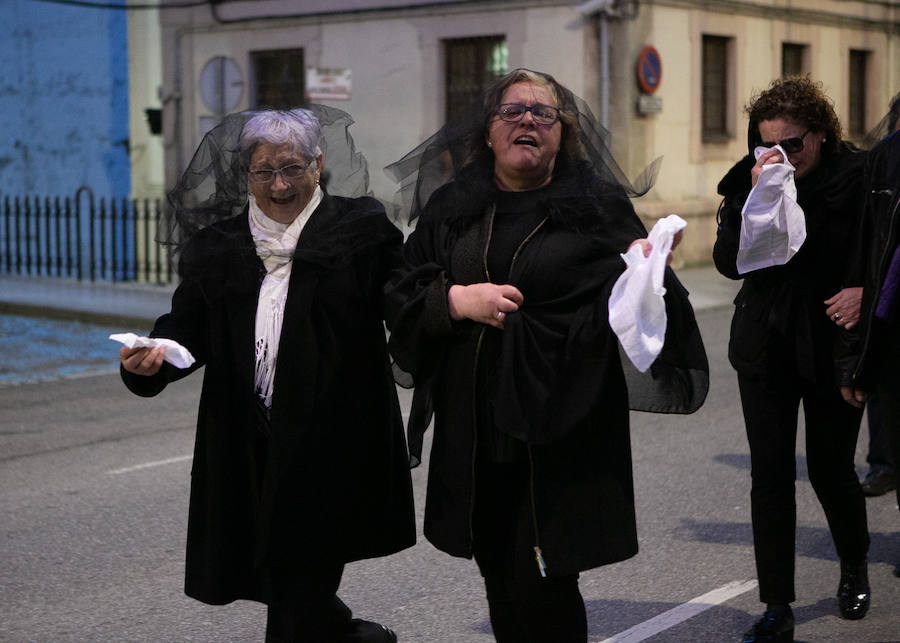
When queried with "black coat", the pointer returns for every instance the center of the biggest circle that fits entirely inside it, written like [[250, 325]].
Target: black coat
[[878, 236], [781, 307], [330, 483], [558, 384]]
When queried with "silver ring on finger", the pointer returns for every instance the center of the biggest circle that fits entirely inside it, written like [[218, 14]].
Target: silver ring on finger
[[837, 316], [500, 315]]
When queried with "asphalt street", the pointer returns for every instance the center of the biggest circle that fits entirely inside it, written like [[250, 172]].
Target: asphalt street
[[93, 503]]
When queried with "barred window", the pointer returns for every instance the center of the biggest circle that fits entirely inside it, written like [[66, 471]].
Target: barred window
[[792, 57], [279, 80], [714, 90], [857, 82], [471, 64]]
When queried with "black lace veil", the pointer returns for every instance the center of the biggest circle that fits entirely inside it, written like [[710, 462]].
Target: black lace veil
[[584, 170], [213, 188], [459, 148]]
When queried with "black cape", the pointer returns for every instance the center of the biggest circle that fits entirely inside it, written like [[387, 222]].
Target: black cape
[[560, 385]]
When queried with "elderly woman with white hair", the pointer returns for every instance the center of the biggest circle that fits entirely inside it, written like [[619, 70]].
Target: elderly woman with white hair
[[300, 463]]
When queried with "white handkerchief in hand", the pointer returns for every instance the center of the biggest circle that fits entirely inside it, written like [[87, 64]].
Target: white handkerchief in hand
[[773, 226], [176, 354], [637, 311]]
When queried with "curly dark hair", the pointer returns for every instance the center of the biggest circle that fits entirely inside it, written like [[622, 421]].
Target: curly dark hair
[[800, 100]]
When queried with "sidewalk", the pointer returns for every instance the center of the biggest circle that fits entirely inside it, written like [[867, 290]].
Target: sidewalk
[[117, 304], [138, 305]]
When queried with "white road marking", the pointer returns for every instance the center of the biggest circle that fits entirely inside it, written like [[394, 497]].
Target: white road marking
[[147, 465], [682, 613]]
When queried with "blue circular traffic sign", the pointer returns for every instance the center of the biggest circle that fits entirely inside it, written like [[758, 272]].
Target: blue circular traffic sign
[[649, 69]]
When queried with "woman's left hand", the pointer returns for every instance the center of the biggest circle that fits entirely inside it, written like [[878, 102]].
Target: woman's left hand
[[843, 308], [648, 247]]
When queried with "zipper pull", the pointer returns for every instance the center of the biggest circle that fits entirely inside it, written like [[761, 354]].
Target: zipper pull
[[542, 566]]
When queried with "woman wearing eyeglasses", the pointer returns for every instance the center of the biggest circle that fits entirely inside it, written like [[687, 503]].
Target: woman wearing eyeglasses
[[300, 464], [500, 314], [782, 345]]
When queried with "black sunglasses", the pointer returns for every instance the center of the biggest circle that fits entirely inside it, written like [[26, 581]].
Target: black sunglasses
[[792, 145]]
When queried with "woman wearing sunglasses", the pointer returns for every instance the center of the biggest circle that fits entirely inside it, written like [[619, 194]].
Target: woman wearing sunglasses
[[783, 338], [500, 314]]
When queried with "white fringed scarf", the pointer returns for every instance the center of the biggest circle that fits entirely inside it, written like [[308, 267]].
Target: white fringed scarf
[[275, 243]]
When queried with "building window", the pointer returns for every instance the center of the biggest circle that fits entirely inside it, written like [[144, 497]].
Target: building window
[[715, 88], [278, 78], [792, 59], [472, 63], [857, 116]]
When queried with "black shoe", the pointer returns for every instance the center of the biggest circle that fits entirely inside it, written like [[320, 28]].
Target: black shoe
[[370, 632], [774, 627], [878, 483], [853, 592]]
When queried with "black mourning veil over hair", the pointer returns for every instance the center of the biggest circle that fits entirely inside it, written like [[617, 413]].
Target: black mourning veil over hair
[[213, 188], [459, 148]]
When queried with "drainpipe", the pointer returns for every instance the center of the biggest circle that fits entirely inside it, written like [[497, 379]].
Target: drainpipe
[[603, 10]]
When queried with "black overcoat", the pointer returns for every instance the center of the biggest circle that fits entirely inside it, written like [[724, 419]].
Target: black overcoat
[[330, 482], [877, 238], [559, 384]]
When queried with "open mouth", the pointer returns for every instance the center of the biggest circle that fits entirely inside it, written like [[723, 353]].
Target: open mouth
[[284, 200], [525, 140]]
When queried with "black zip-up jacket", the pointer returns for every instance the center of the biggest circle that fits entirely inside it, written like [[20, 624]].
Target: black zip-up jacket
[[878, 236], [783, 306]]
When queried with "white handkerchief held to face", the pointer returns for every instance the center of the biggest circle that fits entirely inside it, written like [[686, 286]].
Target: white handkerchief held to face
[[176, 354], [637, 310], [773, 226]]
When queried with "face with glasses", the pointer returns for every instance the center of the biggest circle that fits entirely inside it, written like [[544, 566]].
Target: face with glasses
[[281, 181], [802, 144], [524, 135]]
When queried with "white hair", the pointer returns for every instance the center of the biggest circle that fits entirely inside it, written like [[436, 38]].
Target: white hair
[[297, 127]]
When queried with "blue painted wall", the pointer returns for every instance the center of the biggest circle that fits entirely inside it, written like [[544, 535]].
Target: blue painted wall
[[63, 99]]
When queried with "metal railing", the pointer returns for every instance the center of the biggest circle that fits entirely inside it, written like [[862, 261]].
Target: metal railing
[[84, 238]]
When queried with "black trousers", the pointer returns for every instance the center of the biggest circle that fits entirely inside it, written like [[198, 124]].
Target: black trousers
[[832, 427], [524, 606], [888, 392]]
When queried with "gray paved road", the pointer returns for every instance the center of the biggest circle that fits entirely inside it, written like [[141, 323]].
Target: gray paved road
[[92, 539]]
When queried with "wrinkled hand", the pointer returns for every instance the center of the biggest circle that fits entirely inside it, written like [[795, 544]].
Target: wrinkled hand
[[485, 303], [142, 361], [854, 396], [843, 308], [647, 247], [769, 158]]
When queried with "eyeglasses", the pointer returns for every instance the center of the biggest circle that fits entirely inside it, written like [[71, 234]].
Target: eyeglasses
[[792, 145], [542, 114], [288, 173]]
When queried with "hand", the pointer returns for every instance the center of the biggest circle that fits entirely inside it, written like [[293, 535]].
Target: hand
[[142, 361], [485, 303], [854, 396], [647, 247], [769, 158], [843, 308]]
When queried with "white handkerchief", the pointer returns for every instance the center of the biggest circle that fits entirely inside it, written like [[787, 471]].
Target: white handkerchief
[[637, 311], [176, 354], [773, 226]]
